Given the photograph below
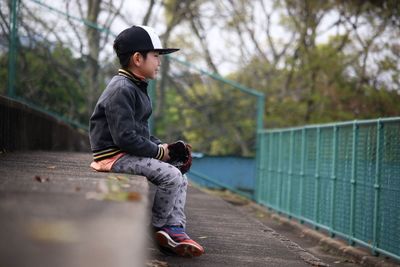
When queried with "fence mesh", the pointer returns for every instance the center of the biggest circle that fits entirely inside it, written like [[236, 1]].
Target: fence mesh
[[389, 198], [342, 177]]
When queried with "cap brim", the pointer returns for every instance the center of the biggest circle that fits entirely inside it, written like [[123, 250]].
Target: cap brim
[[166, 50]]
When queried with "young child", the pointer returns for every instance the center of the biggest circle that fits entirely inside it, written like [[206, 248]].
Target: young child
[[121, 142]]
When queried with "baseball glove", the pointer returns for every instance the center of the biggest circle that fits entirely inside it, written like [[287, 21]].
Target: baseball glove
[[180, 155]]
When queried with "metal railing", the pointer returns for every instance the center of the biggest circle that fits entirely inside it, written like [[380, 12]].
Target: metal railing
[[341, 177]]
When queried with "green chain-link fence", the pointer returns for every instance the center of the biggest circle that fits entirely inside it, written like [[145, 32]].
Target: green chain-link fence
[[343, 177]]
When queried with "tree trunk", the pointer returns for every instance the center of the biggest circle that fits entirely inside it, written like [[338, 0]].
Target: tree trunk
[[92, 68]]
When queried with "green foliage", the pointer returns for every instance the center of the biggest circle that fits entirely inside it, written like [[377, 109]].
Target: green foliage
[[212, 116], [50, 78], [336, 96]]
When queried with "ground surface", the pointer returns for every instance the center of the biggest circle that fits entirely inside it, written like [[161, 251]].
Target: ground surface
[[56, 211], [327, 254], [231, 238]]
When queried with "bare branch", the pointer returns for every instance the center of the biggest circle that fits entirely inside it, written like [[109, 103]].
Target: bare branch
[[50, 29], [113, 14], [73, 27], [148, 12], [197, 26], [4, 21]]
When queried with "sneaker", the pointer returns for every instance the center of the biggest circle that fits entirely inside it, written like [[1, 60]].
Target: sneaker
[[152, 240], [175, 239]]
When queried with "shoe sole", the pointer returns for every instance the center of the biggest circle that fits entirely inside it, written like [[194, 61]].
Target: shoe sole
[[182, 249]]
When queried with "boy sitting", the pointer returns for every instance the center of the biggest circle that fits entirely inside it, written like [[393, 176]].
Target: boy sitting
[[121, 142]]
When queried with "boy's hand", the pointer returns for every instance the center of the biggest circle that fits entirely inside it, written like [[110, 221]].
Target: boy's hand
[[166, 153]]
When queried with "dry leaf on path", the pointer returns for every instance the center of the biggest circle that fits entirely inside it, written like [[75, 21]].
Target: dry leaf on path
[[41, 179], [156, 263]]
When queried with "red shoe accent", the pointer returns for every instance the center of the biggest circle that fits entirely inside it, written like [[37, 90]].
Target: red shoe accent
[[186, 248]]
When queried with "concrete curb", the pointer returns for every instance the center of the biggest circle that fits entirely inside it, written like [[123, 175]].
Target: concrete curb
[[360, 255]]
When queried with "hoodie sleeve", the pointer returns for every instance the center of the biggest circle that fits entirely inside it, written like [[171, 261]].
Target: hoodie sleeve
[[155, 140], [120, 116]]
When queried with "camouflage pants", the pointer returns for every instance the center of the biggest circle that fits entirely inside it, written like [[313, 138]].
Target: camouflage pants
[[170, 196]]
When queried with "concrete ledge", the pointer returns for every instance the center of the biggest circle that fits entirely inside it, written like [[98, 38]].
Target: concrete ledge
[[56, 211]]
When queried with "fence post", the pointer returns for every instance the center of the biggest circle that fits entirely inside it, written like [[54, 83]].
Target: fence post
[[259, 145], [279, 176], [333, 179], [317, 177], [353, 181], [302, 171], [12, 51], [289, 194], [260, 163], [270, 169], [375, 236]]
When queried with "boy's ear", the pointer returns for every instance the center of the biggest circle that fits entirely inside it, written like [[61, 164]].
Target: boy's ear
[[136, 58]]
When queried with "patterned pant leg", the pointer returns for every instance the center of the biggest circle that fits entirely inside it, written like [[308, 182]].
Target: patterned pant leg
[[170, 197], [177, 215]]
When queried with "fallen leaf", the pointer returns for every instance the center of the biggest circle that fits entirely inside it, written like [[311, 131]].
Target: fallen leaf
[[123, 196], [112, 190], [134, 196], [260, 215], [113, 177], [77, 189], [41, 179], [123, 178], [156, 263]]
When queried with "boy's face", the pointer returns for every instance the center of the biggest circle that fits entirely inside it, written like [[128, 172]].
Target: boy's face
[[147, 68]]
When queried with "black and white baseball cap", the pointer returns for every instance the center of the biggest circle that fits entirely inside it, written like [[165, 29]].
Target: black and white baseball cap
[[139, 39]]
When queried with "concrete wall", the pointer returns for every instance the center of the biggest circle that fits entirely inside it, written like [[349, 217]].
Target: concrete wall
[[23, 128]]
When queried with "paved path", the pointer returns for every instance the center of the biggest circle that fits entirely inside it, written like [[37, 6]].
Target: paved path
[[231, 238], [51, 215]]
